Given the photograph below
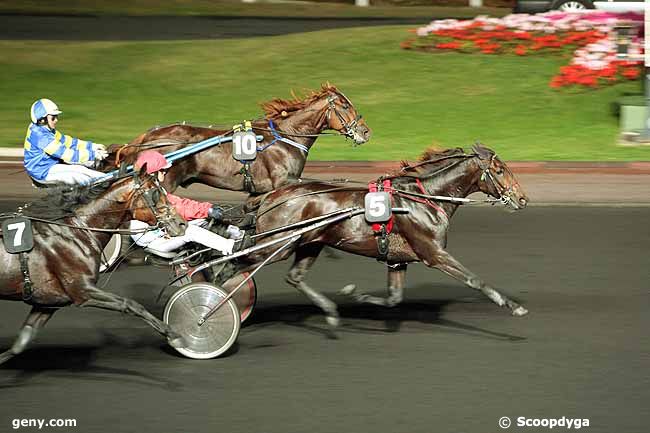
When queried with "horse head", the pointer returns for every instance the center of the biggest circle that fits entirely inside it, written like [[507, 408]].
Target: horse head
[[343, 117], [497, 180], [328, 108], [147, 201]]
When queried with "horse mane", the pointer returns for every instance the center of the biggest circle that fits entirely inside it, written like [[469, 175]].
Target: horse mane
[[430, 153], [63, 200], [275, 107], [435, 153]]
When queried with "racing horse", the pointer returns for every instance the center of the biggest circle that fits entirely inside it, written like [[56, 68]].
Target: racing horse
[[417, 236], [298, 120], [70, 228]]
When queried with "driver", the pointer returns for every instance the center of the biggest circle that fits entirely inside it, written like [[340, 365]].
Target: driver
[[193, 211], [51, 156]]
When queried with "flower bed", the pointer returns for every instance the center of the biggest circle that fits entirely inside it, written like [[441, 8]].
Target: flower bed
[[587, 38]]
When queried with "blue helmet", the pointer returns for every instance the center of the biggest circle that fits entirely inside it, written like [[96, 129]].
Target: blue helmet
[[42, 108]]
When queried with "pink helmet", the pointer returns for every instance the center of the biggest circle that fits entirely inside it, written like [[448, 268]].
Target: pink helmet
[[155, 161]]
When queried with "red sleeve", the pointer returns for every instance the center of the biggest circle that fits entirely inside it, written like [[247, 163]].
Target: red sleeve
[[189, 209]]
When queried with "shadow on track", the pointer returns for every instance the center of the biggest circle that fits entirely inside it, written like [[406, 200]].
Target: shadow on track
[[360, 318], [75, 363]]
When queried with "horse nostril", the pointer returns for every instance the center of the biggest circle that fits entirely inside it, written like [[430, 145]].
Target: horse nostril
[[523, 201]]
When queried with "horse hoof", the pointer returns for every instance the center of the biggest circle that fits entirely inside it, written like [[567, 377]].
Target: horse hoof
[[519, 311], [177, 342], [333, 321], [348, 290]]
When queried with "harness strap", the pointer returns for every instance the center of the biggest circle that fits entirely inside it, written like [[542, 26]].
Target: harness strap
[[385, 186], [439, 209], [28, 288], [382, 244], [278, 137], [382, 230], [249, 185]]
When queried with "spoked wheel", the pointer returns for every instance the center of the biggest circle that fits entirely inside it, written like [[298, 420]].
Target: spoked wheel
[[111, 252], [217, 334], [573, 5], [246, 297]]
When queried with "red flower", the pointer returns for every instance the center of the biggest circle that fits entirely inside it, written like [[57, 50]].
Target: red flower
[[607, 72], [449, 46], [504, 40], [523, 35], [589, 81], [557, 81], [631, 74]]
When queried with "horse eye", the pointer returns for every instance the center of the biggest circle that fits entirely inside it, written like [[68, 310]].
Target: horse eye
[[346, 106]]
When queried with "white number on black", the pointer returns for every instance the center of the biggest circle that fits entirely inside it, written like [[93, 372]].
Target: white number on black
[[18, 237]]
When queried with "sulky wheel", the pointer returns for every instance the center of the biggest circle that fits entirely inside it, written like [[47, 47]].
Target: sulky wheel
[[217, 334], [246, 296], [111, 253]]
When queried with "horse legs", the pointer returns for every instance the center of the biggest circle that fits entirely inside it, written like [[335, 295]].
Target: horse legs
[[396, 279], [305, 257], [108, 301], [452, 267], [36, 319]]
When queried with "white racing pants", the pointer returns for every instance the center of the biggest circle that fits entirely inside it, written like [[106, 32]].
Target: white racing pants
[[157, 240], [72, 174]]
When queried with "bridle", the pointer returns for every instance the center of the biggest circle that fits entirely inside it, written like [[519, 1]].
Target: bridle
[[486, 173], [151, 197], [348, 127], [503, 192]]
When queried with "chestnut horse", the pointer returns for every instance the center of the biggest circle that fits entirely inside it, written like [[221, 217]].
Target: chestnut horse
[[419, 236], [299, 120], [70, 229]]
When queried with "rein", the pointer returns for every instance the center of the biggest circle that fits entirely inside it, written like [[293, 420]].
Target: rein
[[92, 229], [151, 197], [148, 197], [340, 188], [504, 193], [486, 172], [348, 128], [278, 137], [148, 146], [423, 196]]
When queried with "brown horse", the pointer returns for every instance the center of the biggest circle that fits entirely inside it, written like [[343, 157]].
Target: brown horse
[[419, 236], [63, 266], [299, 120]]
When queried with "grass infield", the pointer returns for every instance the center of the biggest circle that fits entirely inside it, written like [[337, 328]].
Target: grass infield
[[112, 91]]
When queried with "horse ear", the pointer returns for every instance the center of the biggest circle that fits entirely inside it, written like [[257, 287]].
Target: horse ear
[[143, 170], [122, 170], [482, 151]]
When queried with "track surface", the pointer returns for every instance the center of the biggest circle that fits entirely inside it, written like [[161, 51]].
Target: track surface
[[108, 28], [447, 360]]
